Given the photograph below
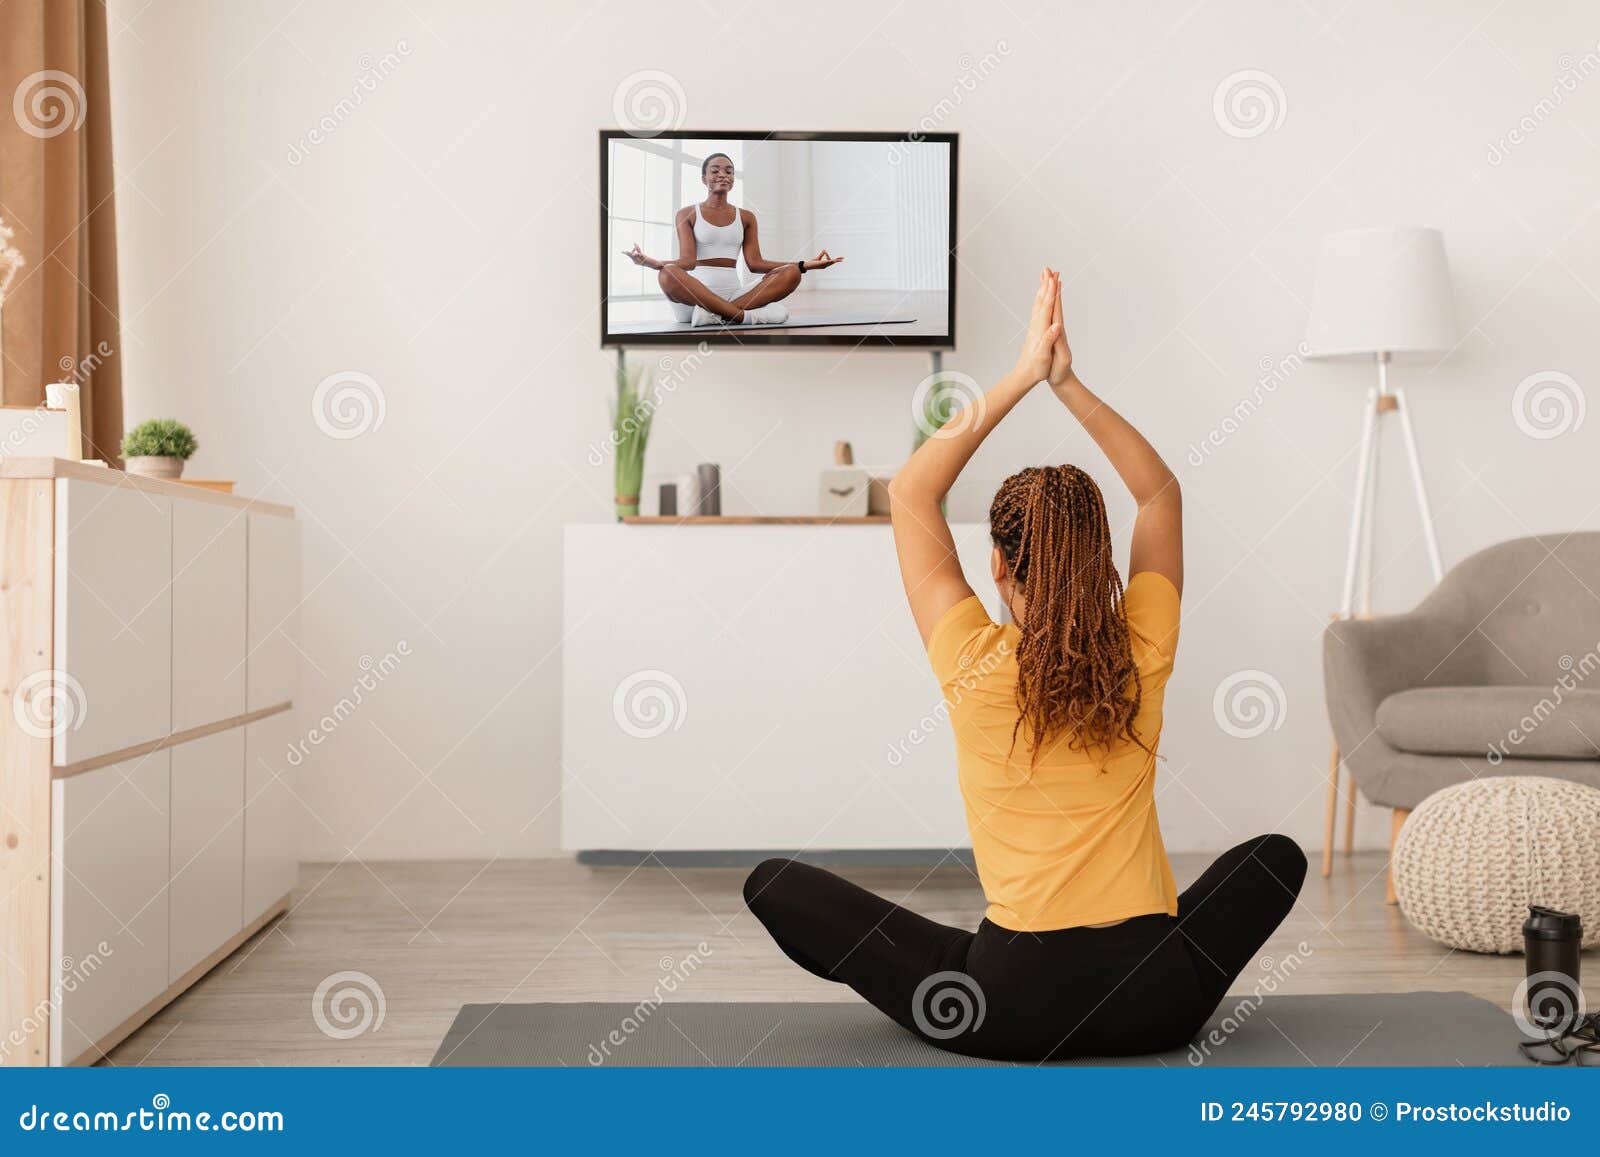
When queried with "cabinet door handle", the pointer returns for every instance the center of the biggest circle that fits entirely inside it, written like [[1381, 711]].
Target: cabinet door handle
[[841, 493]]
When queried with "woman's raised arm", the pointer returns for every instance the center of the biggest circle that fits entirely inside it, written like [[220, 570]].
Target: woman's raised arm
[[1158, 529], [929, 567]]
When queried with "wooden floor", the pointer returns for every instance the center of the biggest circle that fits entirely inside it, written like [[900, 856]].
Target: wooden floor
[[434, 936]]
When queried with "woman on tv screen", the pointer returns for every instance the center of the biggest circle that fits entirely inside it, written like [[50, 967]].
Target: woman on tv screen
[[702, 283]]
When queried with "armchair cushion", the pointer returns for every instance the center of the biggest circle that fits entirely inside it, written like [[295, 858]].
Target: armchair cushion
[[1497, 723]]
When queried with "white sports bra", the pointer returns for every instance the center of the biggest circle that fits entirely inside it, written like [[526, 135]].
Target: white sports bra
[[713, 241]]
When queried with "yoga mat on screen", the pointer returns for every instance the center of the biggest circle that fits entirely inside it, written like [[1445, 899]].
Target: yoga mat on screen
[[1414, 1028], [796, 321]]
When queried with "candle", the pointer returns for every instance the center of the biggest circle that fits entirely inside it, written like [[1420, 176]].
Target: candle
[[64, 396]]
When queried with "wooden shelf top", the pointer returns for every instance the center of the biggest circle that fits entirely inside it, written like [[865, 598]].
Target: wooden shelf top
[[106, 476], [755, 520]]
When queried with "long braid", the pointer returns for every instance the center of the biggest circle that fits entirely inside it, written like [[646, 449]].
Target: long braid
[[1076, 677]]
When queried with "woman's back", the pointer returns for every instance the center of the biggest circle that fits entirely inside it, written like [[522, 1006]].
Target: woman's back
[[1066, 836]]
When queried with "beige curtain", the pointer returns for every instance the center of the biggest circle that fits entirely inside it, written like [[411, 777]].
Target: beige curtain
[[60, 314]]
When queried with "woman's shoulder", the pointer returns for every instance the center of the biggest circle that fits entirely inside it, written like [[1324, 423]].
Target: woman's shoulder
[[966, 637], [1152, 606], [1149, 588]]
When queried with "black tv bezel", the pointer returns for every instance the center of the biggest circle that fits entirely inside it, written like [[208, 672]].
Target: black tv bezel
[[756, 338]]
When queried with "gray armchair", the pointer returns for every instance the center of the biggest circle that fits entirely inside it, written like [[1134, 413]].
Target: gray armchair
[[1497, 672]]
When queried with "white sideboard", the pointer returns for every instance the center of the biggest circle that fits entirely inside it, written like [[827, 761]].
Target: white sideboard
[[147, 821], [751, 687]]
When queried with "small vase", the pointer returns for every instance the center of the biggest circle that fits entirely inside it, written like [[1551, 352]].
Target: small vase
[[151, 466], [708, 490], [627, 506]]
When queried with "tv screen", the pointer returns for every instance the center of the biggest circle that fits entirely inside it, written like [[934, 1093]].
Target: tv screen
[[778, 238]]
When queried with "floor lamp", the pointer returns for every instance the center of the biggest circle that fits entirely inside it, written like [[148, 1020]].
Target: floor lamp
[[1380, 293]]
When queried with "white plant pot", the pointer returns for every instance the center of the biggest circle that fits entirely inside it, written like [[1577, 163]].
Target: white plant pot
[[155, 467]]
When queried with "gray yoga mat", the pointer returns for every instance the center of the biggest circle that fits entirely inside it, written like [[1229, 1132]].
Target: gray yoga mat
[[1402, 1029]]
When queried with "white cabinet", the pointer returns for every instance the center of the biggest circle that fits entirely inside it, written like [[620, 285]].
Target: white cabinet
[[209, 542], [272, 812], [146, 625], [207, 844], [274, 610], [109, 902], [113, 629], [687, 725]]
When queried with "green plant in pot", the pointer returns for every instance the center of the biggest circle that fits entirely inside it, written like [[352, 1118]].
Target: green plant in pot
[[938, 407], [158, 448], [631, 415]]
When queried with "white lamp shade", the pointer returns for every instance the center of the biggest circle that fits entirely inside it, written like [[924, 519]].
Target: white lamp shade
[[1382, 291]]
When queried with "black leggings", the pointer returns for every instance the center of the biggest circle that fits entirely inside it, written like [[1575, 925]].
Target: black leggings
[[1146, 985]]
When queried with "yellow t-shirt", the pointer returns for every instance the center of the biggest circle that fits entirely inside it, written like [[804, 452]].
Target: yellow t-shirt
[[1072, 839]]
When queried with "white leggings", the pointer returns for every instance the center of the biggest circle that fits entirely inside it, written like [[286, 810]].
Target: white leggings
[[720, 280]]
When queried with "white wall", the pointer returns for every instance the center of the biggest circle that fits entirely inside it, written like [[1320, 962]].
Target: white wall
[[441, 240]]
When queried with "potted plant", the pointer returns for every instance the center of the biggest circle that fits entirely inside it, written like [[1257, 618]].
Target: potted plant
[[938, 407], [158, 448], [631, 415]]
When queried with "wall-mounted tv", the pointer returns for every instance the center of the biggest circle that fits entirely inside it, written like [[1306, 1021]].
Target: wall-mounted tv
[[780, 238]]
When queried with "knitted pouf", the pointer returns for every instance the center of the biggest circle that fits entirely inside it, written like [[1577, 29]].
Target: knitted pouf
[[1471, 858]]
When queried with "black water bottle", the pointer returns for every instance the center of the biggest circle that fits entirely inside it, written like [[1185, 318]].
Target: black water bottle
[[1553, 942]]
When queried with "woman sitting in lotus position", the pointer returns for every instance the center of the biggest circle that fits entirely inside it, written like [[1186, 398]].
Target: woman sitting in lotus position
[[1088, 948], [702, 282]]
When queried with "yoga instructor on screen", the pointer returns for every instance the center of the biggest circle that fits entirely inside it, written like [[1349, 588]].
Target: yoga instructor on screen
[[1088, 948], [702, 282]]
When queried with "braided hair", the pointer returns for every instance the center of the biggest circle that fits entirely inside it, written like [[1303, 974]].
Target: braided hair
[[1076, 676]]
